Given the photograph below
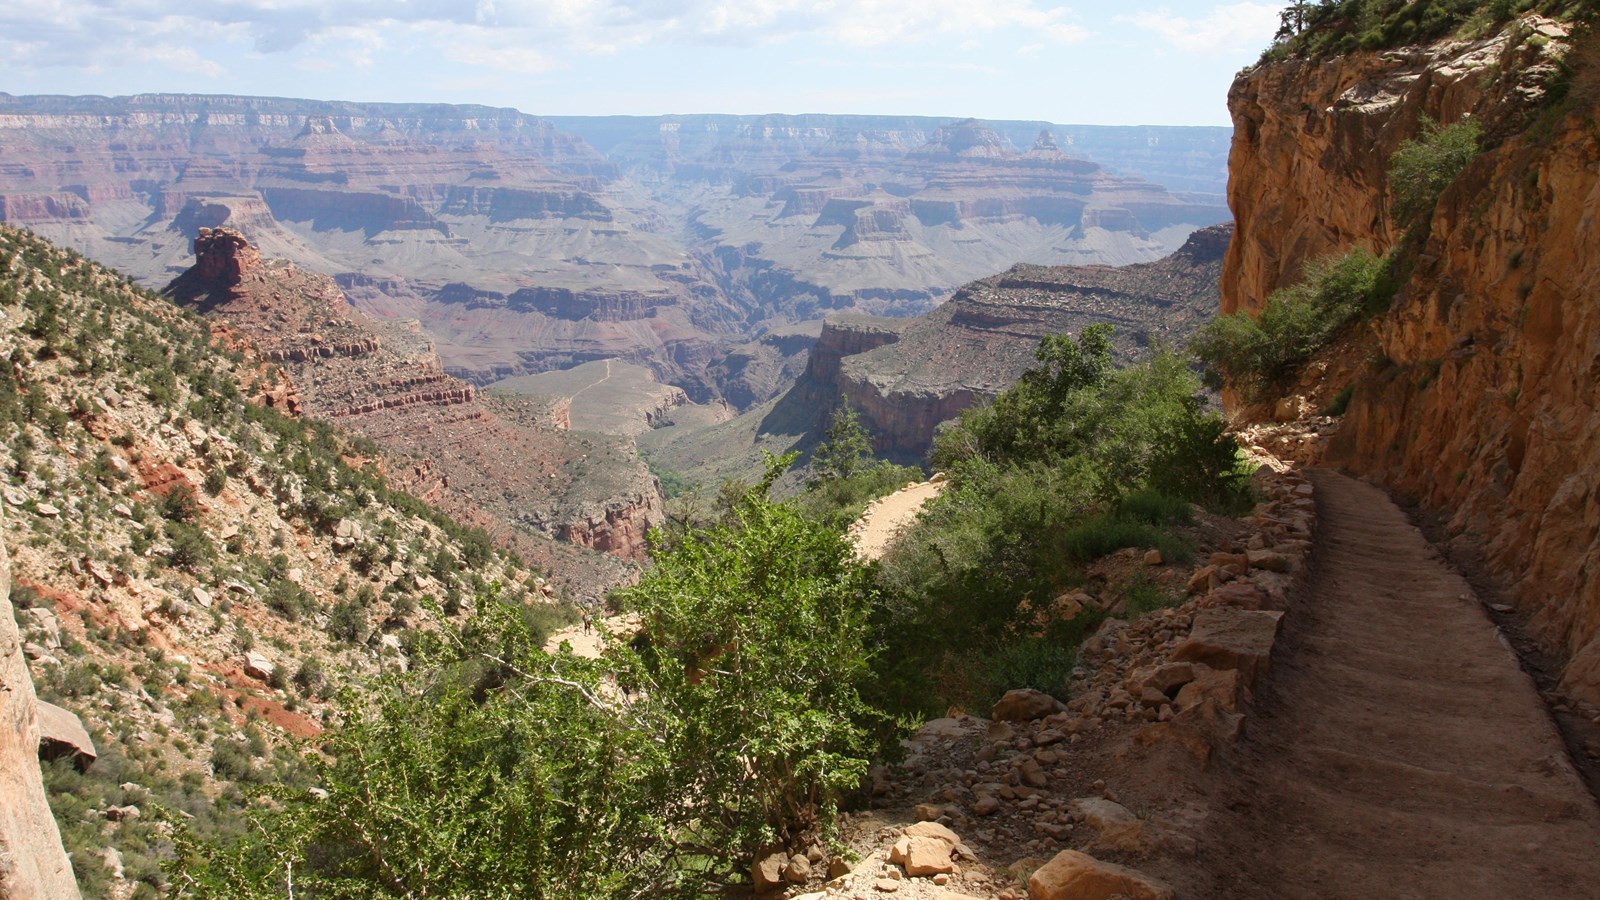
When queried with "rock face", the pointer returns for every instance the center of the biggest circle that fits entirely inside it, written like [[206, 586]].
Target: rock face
[[907, 376], [1485, 406], [383, 380], [33, 865]]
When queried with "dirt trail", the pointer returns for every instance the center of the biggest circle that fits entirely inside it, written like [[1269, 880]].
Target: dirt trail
[[1397, 749], [888, 515], [590, 643]]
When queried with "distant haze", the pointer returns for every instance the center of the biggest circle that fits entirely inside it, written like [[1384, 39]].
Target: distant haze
[[1131, 62]]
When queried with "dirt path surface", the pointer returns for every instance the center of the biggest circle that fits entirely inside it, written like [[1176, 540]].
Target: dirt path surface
[[888, 515], [589, 643], [1397, 750]]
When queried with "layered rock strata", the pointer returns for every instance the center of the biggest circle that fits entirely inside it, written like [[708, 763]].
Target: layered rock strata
[[907, 376], [384, 381], [1481, 400]]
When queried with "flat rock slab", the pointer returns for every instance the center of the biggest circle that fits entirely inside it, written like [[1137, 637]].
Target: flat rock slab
[[1227, 637]]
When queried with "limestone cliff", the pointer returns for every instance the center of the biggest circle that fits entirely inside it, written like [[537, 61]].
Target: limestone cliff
[[1480, 395], [33, 865]]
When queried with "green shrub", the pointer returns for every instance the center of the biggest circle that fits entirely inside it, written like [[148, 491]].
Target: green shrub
[[1421, 169], [1035, 662], [1256, 354]]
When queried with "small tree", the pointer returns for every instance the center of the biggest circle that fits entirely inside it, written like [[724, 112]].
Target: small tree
[[757, 654], [845, 447]]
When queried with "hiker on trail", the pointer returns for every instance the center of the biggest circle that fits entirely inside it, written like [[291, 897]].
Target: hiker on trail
[[587, 621]]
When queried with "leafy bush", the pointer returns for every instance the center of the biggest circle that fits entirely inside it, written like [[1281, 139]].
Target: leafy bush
[[757, 648], [493, 770], [1333, 27], [1076, 460], [1422, 168], [1255, 354]]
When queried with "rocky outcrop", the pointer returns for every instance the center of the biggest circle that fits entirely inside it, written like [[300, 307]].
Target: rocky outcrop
[[223, 255], [33, 865], [1483, 401], [383, 381]]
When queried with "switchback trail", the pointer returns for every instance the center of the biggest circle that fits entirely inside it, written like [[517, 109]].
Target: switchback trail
[[1397, 749]]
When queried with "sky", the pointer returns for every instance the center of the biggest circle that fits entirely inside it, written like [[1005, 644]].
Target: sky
[[1123, 63]]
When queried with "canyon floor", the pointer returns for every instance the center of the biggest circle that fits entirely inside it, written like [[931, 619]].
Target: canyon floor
[[1398, 750]]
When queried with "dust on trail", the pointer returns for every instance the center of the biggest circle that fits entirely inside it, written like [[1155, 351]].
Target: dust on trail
[[887, 516], [1397, 749]]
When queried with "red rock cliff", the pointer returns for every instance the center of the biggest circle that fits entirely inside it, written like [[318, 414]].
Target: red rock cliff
[[1482, 401]]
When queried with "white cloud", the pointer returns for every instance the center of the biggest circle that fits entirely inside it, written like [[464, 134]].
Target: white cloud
[[1230, 28], [514, 30]]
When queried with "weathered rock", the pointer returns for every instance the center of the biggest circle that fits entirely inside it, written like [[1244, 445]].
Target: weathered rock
[[1118, 829], [767, 873], [62, 736], [1024, 705], [1227, 638], [1072, 875], [1271, 560], [258, 666], [33, 864], [921, 856], [1218, 687], [798, 871]]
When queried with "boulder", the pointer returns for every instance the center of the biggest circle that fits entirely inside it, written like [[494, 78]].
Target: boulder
[[258, 666], [62, 736], [1219, 688], [767, 873], [921, 856], [1025, 705], [798, 871], [1119, 830], [1078, 876], [1242, 594], [1271, 560], [934, 830], [1224, 637]]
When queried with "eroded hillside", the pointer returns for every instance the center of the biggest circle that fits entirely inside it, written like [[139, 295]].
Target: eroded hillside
[[382, 380], [195, 574]]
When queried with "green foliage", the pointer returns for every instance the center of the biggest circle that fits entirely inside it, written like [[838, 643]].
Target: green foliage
[[845, 447], [1334, 27], [1076, 460], [493, 770], [1422, 168], [757, 652], [1256, 354], [837, 502]]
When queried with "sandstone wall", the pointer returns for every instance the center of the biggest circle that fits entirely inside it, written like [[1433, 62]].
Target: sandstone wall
[[1483, 398], [33, 865]]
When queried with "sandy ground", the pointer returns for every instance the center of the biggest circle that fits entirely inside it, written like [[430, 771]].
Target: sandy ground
[[589, 644], [1398, 750], [887, 516]]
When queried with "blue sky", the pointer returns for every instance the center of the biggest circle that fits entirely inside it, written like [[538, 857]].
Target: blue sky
[[1074, 63]]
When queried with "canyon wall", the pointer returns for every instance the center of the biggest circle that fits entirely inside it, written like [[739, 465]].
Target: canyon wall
[[907, 376], [382, 380], [1479, 396], [33, 865]]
